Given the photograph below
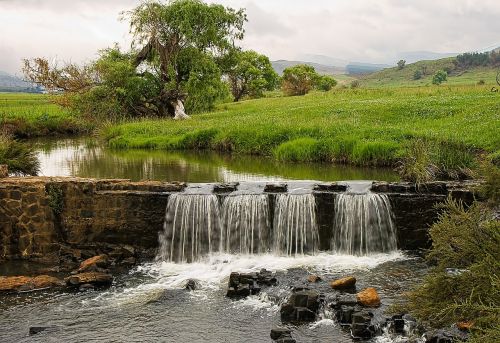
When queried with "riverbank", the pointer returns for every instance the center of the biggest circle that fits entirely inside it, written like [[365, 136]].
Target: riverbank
[[34, 115], [373, 127]]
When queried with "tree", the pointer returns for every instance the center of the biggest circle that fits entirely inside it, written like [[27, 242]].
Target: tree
[[439, 77], [299, 79], [172, 67], [325, 83], [251, 75], [401, 64]]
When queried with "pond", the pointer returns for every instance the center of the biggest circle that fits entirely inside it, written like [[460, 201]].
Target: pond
[[86, 157]]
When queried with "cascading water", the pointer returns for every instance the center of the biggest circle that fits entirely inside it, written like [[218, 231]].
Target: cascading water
[[295, 228], [246, 224], [363, 224], [192, 227]]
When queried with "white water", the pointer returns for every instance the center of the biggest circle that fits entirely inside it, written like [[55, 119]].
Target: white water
[[245, 228], [295, 228], [363, 224]]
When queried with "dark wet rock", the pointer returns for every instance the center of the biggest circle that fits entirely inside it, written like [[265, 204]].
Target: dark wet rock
[[86, 287], [276, 188], [192, 285], [445, 336], [122, 253], [345, 299], [226, 187], [302, 306], [244, 284], [396, 324], [129, 261], [278, 333], [331, 187], [37, 329], [94, 278], [344, 283], [361, 326]]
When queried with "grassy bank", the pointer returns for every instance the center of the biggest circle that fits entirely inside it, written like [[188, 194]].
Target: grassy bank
[[360, 126], [31, 115]]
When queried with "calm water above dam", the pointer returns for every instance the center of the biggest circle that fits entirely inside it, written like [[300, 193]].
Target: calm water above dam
[[85, 157]]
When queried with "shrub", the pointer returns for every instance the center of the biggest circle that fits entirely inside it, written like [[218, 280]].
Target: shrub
[[401, 64], [20, 158], [417, 75], [439, 77], [481, 82], [355, 84], [325, 83], [299, 80]]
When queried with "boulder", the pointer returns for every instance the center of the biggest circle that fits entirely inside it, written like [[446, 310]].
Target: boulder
[[368, 297], [302, 306], [94, 278], [94, 264], [344, 283], [192, 285], [278, 333], [33, 330], [445, 336], [244, 284], [361, 326], [313, 278], [26, 283]]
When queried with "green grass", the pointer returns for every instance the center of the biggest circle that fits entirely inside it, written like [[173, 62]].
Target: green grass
[[30, 115], [360, 126]]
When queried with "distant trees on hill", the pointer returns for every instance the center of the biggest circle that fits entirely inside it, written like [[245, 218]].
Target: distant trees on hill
[[401, 64], [477, 59]]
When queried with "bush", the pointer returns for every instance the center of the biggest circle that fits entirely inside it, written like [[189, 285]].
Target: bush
[[325, 83], [467, 240], [20, 158], [417, 75], [440, 77], [355, 84], [481, 82], [299, 80]]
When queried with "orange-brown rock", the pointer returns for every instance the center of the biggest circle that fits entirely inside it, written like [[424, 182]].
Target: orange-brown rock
[[26, 283], [344, 283], [93, 278], [368, 297], [313, 278], [94, 264], [465, 325]]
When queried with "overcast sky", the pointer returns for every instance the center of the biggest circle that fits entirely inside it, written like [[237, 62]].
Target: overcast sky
[[355, 30]]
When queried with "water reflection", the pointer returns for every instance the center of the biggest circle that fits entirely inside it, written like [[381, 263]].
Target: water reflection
[[85, 157]]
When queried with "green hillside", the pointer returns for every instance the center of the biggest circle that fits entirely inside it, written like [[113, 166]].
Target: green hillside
[[394, 77]]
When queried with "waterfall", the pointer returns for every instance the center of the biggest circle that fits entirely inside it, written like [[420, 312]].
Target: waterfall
[[246, 224], [363, 224], [192, 227], [295, 228]]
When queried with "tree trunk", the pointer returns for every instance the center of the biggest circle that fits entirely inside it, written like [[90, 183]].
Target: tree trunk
[[179, 111]]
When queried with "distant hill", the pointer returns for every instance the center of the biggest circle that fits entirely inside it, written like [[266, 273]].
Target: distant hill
[[406, 76], [415, 56], [281, 65], [10, 83]]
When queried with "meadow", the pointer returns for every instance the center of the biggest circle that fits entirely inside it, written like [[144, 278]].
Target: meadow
[[364, 126], [31, 115]]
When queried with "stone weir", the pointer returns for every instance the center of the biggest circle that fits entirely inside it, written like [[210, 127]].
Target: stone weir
[[42, 217]]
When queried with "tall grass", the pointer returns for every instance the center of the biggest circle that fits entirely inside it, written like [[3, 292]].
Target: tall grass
[[20, 158]]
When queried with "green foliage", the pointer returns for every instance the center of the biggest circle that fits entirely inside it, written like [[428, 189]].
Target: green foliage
[[476, 59], [355, 84], [467, 240], [299, 80], [20, 158], [439, 77], [490, 189], [401, 64], [56, 198], [325, 83], [417, 75], [251, 75]]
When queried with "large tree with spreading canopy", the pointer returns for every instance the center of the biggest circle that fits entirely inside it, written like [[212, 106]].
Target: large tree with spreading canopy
[[174, 63]]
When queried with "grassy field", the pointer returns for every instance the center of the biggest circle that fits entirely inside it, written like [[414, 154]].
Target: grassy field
[[30, 115], [359, 126]]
